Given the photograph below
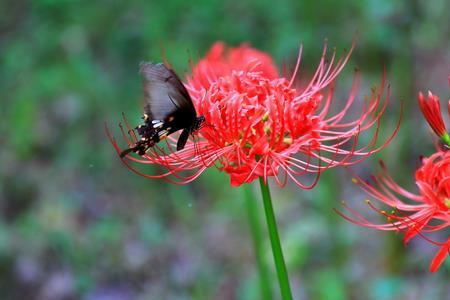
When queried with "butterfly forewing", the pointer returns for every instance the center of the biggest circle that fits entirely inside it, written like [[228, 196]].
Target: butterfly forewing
[[165, 95]]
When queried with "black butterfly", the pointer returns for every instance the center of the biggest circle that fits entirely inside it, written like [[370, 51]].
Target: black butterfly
[[168, 109]]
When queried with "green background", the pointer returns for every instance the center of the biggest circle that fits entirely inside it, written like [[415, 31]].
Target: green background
[[76, 224]]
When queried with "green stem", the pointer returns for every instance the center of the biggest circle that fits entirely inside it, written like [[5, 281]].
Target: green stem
[[280, 265], [446, 139], [255, 228]]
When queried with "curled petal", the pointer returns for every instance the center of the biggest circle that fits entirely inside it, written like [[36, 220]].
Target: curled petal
[[440, 256]]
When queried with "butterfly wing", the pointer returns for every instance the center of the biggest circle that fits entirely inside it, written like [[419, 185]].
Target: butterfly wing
[[165, 95]]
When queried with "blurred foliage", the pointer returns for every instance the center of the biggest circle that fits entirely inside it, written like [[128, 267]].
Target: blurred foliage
[[76, 224]]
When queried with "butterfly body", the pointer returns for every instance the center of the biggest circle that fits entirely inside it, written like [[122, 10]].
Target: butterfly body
[[168, 108]]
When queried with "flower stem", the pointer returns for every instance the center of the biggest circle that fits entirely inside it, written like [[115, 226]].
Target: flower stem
[[280, 265], [446, 138], [255, 228]]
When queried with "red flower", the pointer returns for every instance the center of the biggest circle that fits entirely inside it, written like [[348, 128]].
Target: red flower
[[414, 214], [259, 124]]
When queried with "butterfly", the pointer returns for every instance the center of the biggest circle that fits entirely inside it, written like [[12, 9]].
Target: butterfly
[[168, 108]]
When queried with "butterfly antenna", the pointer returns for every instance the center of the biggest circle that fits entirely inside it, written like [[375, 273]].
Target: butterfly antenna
[[163, 55], [131, 132], [190, 61], [125, 136]]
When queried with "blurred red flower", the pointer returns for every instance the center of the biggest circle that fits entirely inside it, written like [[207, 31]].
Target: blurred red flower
[[428, 211], [413, 214], [257, 124]]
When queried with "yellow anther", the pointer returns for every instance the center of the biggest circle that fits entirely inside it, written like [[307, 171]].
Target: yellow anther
[[265, 117], [447, 202], [354, 180], [287, 141]]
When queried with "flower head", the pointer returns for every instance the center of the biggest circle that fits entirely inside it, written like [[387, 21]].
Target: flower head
[[414, 214], [257, 124]]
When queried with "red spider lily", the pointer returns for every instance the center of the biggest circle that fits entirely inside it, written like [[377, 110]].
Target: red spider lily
[[413, 214], [259, 125]]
